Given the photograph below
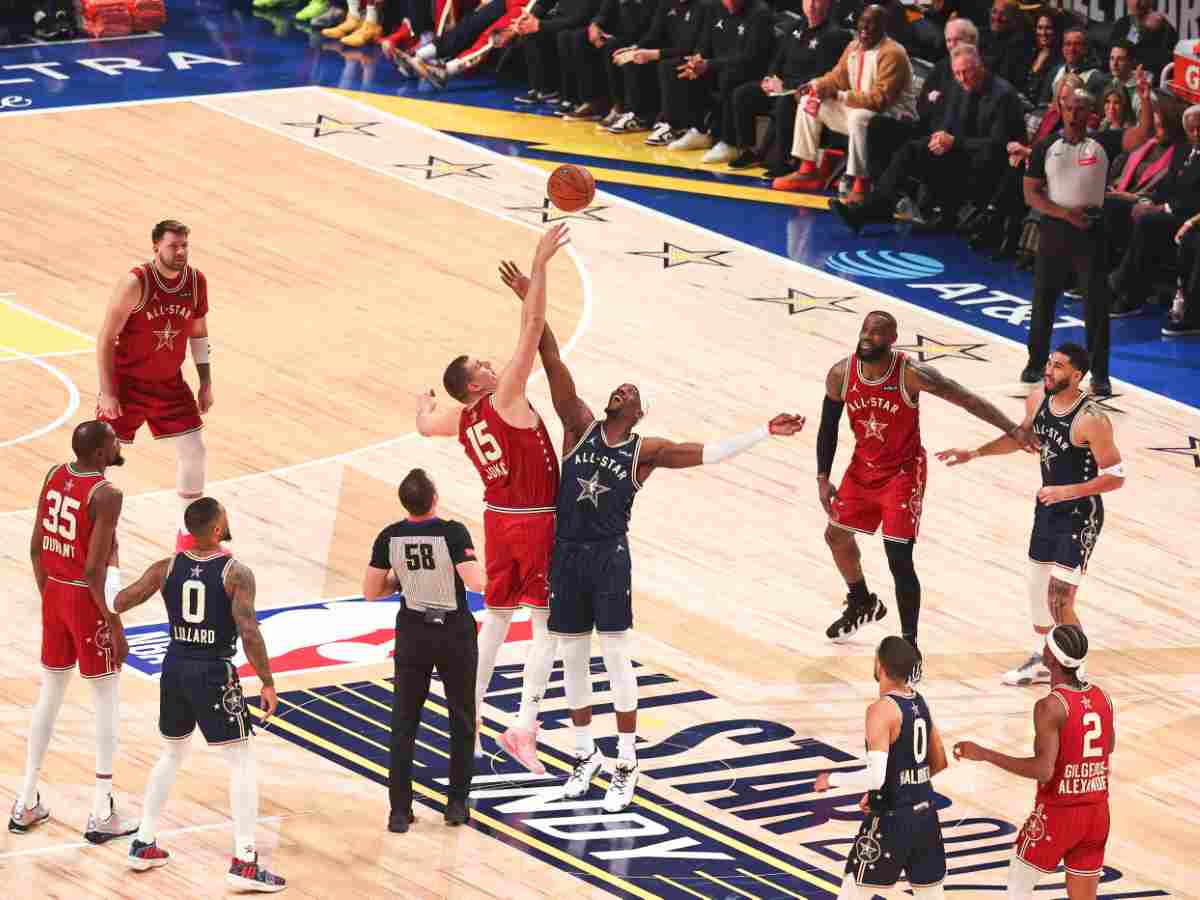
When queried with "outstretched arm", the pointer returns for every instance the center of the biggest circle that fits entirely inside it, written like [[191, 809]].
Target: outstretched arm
[[144, 588], [510, 391], [659, 453], [921, 377], [432, 422], [1048, 717], [956, 456], [572, 411], [239, 582], [1094, 430]]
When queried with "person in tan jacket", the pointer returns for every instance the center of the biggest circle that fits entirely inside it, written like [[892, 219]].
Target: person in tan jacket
[[873, 77]]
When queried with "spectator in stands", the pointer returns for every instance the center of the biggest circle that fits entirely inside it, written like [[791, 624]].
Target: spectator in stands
[[810, 49], [1117, 111], [617, 25], [1077, 60], [873, 77], [886, 135], [674, 32], [929, 31], [1007, 45], [1046, 60], [360, 27], [1121, 73], [1156, 220], [1152, 37], [1184, 316], [960, 161], [735, 47], [462, 47], [542, 29]]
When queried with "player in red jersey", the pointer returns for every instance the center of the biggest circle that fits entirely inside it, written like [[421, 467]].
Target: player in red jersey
[[885, 482], [1074, 735], [73, 549], [506, 440], [157, 310]]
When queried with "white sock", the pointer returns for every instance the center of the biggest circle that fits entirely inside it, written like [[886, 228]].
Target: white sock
[[243, 797], [162, 777], [491, 636], [355, 9], [49, 702], [626, 751], [455, 67], [538, 664], [372, 14], [428, 53], [105, 693], [585, 746]]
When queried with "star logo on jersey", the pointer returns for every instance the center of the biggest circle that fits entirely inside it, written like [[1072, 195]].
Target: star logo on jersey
[[591, 489], [324, 126], [873, 428], [1048, 454], [928, 349], [1085, 702], [166, 336], [195, 571], [70, 483], [1192, 450], [551, 213], [812, 45], [436, 167], [673, 255], [801, 301]]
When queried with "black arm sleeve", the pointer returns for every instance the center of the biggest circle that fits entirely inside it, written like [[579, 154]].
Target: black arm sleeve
[[827, 435]]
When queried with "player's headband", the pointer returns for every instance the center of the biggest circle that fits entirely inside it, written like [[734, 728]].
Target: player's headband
[[1067, 662]]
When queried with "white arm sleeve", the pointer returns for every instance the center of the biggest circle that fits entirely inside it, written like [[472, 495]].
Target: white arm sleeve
[[722, 450], [200, 348], [868, 779], [112, 587]]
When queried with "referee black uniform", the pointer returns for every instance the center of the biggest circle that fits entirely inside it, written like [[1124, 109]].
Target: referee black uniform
[[434, 628], [1076, 176]]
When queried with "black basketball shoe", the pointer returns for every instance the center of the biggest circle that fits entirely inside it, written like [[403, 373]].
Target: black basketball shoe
[[854, 617]]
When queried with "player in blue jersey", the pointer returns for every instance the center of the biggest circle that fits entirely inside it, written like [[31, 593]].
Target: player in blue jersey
[[604, 465], [901, 833], [209, 597]]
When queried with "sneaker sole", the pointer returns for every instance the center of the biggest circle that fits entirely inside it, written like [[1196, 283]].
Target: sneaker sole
[[616, 808], [17, 828], [510, 747], [841, 639], [568, 794], [1026, 682], [103, 837], [145, 865], [247, 884]]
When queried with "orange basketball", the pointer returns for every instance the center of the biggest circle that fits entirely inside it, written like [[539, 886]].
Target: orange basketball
[[571, 188]]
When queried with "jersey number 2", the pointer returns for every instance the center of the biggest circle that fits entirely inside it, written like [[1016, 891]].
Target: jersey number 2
[[60, 515], [1094, 727], [485, 446], [192, 608]]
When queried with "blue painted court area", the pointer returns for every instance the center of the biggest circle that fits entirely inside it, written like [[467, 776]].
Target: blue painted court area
[[212, 47]]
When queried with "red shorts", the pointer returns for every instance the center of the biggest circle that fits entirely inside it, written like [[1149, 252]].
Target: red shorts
[[168, 407], [517, 547], [1073, 835], [474, 54], [895, 501], [73, 629]]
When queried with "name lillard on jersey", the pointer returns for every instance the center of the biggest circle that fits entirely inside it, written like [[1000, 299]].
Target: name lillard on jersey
[[194, 635]]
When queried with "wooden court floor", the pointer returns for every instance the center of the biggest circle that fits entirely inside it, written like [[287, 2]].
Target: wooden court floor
[[350, 255]]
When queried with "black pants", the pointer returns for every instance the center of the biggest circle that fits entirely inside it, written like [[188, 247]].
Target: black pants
[[541, 60], [729, 81], [1189, 275], [1118, 225], [952, 179], [1151, 248], [453, 650], [1064, 249], [886, 136], [686, 103], [591, 65], [468, 30], [639, 90], [569, 77]]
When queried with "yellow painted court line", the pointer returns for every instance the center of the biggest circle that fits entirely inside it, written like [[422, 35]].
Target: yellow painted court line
[[384, 725], [726, 885], [335, 725], [772, 885], [492, 823], [681, 887], [435, 730]]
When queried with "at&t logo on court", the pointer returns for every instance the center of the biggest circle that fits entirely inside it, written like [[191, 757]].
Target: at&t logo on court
[[885, 264]]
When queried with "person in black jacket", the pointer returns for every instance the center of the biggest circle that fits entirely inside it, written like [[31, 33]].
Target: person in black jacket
[[545, 28], [809, 50], [617, 26], [1007, 45], [965, 156], [674, 32], [1152, 36], [735, 47], [1151, 246]]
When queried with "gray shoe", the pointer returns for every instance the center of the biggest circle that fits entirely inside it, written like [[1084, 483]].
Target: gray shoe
[[1032, 671], [101, 831], [25, 819], [329, 18]]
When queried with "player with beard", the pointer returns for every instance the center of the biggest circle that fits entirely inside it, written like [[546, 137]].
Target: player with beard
[[604, 465], [1080, 461], [885, 482]]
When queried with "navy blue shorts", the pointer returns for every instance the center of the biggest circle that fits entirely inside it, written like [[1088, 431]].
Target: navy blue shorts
[[204, 692], [1064, 536], [905, 842], [591, 586]]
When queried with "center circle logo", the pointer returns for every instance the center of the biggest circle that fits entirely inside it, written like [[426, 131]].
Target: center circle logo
[[885, 264]]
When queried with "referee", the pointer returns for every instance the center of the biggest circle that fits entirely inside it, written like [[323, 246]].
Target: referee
[[430, 561], [1065, 182]]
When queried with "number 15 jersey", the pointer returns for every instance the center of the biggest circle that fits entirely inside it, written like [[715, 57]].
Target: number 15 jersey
[[518, 466]]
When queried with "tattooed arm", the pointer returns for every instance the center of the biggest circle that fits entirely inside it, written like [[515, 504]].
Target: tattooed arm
[[956, 456], [920, 377], [239, 582], [1094, 430]]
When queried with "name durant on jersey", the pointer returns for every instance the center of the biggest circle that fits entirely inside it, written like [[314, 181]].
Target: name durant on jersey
[[53, 544], [588, 457], [191, 635]]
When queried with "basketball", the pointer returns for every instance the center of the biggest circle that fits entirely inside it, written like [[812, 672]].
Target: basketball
[[571, 188]]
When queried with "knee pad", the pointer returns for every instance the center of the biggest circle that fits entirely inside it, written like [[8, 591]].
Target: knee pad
[[577, 670], [617, 650], [900, 562], [1039, 596], [191, 458]]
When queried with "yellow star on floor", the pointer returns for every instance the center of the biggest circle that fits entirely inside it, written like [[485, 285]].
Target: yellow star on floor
[[801, 301], [325, 126], [672, 256], [551, 213], [928, 349], [437, 167]]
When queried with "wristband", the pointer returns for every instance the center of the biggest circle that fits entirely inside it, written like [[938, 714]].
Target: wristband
[[112, 587], [200, 348]]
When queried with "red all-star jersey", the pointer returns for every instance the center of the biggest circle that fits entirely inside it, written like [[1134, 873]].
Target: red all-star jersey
[[519, 466], [154, 341]]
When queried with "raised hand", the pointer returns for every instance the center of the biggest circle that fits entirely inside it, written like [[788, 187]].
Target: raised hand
[[426, 402], [551, 242], [516, 280], [785, 425]]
